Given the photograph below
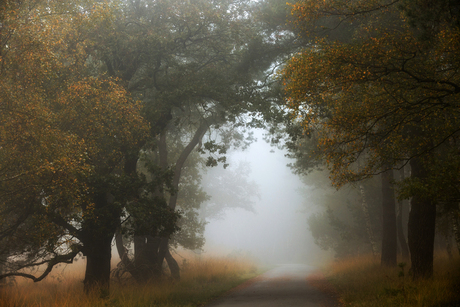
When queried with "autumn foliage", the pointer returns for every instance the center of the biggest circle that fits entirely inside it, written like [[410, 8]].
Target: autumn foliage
[[381, 94], [364, 96], [64, 126]]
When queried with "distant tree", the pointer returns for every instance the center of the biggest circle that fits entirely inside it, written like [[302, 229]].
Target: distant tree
[[228, 189], [307, 162], [341, 224]]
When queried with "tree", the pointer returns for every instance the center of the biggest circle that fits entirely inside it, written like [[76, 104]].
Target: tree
[[326, 227], [342, 225], [228, 189], [387, 96], [70, 138], [31, 160], [197, 67]]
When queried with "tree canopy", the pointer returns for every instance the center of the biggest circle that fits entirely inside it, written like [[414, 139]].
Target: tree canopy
[[382, 98], [66, 134], [87, 88]]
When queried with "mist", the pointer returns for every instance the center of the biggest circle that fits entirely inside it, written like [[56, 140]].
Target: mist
[[276, 231]]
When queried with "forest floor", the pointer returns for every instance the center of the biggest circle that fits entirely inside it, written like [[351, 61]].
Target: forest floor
[[203, 279], [360, 281]]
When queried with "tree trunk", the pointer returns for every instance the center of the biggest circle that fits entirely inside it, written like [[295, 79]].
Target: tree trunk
[[127, 264], [173, 266], [389, 238], [98, 230], [370, 232], [98, 254], [421, 227], [150, 252], [399, 222], [147, 262]]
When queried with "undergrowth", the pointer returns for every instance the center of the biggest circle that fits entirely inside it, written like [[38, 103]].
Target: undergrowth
[[361, 282], [202, 280]]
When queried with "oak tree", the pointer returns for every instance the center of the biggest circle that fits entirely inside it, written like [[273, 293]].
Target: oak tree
[[69, 138], [198, 67]]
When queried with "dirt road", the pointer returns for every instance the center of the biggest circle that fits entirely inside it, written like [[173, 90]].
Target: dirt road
[[290, 285]]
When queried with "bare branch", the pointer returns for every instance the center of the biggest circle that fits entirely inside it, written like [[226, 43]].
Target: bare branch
[[68, 258]]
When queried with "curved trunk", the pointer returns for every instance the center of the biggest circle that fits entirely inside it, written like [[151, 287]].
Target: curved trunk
[[389, 240], [197, 137], [127, 264], [421, 227], [173, 266]]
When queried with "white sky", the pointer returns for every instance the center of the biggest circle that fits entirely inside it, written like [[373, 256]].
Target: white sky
[[278, 231]]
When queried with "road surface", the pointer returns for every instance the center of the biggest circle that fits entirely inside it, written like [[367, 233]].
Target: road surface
[[288, 285]]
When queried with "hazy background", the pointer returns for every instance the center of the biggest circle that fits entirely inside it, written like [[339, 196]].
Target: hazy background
[[277, 231]]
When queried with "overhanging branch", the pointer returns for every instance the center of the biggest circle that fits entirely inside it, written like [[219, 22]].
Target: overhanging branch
[[68, 258]]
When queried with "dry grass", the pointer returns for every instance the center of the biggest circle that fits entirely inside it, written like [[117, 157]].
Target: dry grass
[[203, 278], [362, 282]]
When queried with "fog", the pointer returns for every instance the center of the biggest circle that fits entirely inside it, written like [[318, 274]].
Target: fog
[[277, 231]]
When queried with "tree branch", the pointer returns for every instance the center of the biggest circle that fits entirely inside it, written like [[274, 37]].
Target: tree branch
[[198, 136], [68, 258]]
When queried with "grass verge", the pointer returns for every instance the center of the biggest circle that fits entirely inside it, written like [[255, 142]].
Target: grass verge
[[202, 280], [362, 282]]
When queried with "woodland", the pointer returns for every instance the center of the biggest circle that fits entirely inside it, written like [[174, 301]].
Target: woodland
[[110, 110]]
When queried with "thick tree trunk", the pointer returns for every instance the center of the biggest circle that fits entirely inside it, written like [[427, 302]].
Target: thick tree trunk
[[98, 254], [147, 262], [421, 227], [367, 218], [399, 223], [98, 230], [389, 238]]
